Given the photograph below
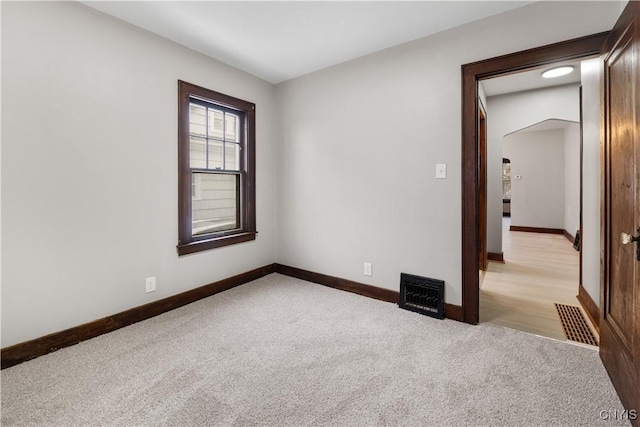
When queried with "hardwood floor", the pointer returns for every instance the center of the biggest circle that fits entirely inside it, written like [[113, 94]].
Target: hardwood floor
[[539, 270]]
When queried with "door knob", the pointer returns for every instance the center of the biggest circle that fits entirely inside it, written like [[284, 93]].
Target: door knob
[[625, 238]]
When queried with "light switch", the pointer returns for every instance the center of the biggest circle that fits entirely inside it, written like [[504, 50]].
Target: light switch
[[441, 171]]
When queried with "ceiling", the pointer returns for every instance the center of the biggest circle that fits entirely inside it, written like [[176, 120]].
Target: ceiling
[[281, 40], [549, 124], [530, 80]]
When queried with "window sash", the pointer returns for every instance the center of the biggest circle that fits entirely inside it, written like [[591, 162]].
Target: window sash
[[216, 223], [231, 142]]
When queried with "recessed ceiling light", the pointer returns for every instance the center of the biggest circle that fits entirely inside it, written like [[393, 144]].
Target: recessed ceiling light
[[557, 72]]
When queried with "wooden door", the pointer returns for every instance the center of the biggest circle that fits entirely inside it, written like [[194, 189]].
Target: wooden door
[[620, 293], [482, 188]]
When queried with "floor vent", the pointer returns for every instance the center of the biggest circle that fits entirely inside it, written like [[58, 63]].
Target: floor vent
[[422, 295], [574, 325]]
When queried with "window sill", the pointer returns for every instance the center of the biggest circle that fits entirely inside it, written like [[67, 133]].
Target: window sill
[[216, 242]]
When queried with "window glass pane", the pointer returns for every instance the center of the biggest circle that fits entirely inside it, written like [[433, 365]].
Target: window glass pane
[[506, 171], [216, 123], [197, 120], [231, 131], [232, 156], [506, 189], [215, 155], [217, 208], [195, 186], [506, 180], [197, 153]]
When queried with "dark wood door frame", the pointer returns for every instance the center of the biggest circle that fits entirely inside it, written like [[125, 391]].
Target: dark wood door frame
[[583, 47], [482, 186], [581, 194]]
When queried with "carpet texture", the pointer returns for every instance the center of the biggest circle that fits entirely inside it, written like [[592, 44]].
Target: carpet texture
[[282, 352]]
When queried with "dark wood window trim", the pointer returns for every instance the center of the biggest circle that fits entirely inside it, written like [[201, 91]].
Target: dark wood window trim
[[187, 243], [583, 47]]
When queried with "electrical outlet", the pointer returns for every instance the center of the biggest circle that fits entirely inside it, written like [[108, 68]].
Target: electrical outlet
[[150, 284], [367, 269]]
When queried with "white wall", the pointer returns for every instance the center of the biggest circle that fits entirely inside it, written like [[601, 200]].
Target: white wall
[[538, 198], [359, 143], [622, 4], [572, 178], [482, 96], [548, 162], [591, 71], [89, 168], [510, 113], [89, 112]]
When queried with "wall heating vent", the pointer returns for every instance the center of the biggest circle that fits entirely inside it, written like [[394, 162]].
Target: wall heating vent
[[422, 295]]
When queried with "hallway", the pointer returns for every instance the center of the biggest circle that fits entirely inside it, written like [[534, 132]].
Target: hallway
[[539, 270]]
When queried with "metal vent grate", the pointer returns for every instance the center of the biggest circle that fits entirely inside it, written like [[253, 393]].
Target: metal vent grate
[[422, 295], [574, 325]]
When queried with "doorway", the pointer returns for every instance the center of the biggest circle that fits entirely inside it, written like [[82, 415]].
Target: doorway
[[584, 47], [540, 265]]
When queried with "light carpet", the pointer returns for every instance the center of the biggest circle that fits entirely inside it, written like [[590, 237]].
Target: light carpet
[[283, 352]]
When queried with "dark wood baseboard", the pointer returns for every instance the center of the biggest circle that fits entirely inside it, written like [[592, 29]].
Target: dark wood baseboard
[[382, 294], [536, 229], [451, 311], [589, 306], [493, 256], [569, 236], [28, 350]]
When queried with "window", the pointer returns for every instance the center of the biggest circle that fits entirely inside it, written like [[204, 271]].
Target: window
[[506, 179], [216, 169]]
